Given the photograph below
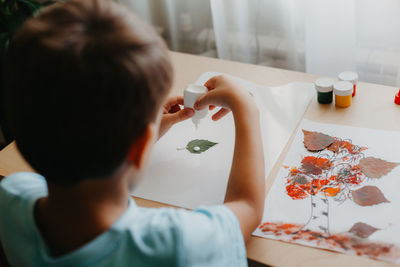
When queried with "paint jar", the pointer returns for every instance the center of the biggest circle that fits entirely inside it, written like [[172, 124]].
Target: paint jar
[[343, 93], [190, 95], [324, 87], [397, 98], [349, 76]]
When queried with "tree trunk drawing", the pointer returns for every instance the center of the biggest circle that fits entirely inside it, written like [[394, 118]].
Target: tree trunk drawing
[[319, 217]]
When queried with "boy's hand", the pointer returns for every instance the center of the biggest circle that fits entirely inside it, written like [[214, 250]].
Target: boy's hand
[[172, 113], [226, 93]]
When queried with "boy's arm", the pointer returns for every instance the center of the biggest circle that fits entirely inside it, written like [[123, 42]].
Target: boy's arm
[[245, 193], [246, 186]]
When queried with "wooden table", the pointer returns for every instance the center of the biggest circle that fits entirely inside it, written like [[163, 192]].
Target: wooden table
[[373, 107]]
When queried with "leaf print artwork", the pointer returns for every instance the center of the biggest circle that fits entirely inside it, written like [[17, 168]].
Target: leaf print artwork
[[323, 175], [315, 141], [362, 230], [333, 173], [198, 146], [376, 168], [368, 196]]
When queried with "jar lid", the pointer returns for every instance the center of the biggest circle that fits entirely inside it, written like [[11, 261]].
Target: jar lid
[[348, 76], [324, 85], [343, 88]]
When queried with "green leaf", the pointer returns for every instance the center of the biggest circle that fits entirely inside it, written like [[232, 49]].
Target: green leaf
[[198, 146]]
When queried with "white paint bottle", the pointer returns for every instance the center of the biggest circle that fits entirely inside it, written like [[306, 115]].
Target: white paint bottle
[[190, 95]]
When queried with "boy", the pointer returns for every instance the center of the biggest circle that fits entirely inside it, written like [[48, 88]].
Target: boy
[[86, 94]]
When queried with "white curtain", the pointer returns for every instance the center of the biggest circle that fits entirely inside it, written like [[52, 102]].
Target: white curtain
[[316, 36]]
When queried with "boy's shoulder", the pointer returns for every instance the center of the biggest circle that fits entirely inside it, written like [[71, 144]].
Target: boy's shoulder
[[22, 186], [210, 235], [18, 193]]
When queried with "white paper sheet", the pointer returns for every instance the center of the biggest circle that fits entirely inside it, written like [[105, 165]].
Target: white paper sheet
[[281, 209], [179, 178]]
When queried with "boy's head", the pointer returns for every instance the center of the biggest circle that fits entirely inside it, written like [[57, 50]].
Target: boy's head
[[83, 82]]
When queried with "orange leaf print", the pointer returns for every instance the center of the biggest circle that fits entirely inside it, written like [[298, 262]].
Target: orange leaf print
[[332, 191], [295, 192]]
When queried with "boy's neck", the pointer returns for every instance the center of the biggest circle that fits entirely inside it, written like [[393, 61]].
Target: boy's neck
[[73, 215]]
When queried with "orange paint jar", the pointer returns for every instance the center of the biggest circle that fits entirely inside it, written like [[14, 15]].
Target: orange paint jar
[[343, 93], [350, 76]]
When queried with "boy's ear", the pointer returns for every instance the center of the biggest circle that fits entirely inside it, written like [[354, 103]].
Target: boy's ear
[[136, 154]]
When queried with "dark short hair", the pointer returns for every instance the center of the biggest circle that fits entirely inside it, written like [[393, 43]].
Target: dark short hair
[[82, 81]]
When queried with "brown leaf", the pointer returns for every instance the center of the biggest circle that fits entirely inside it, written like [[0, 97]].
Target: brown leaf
[[315, 141], [368, 195], [363, 230], [376, 168], [311, 169]]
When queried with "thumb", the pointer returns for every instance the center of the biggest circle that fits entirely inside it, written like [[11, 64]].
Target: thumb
[[181, 115], [203, 101]]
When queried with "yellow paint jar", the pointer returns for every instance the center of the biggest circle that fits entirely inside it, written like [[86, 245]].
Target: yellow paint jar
[[343, 92]]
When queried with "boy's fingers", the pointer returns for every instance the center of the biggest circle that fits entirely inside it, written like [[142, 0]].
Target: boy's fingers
[[179, 116], [203, 101], [210, 84], [175, 108], [222, 112], [172, 101], [179, 100]]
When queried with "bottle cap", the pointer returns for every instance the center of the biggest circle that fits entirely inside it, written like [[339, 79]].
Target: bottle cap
[[191, 93], [343, 88], [348, 76], [324, 85], [397, 98]]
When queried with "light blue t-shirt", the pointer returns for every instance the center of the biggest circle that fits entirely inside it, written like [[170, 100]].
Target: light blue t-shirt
[[208, 236]]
